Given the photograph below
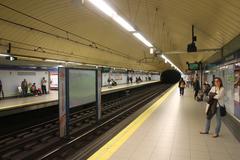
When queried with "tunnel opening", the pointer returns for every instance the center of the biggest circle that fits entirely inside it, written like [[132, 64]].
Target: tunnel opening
[[170, 76]]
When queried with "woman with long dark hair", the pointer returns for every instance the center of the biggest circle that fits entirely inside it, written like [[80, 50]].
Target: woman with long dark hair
[[217, 100]]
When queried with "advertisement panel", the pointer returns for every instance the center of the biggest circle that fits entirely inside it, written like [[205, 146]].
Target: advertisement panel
[[237, 91], [76, 88]]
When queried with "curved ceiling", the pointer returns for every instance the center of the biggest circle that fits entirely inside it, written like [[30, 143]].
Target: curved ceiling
[[72, 31]]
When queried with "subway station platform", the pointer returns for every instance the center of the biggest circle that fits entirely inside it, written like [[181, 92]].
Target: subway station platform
[[21, 104], [169, 130]]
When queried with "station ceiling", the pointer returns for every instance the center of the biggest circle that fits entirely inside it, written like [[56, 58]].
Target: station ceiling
[[71, 30]]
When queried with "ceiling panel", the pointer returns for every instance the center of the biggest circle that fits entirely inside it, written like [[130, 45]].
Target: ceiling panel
[[166, 23]]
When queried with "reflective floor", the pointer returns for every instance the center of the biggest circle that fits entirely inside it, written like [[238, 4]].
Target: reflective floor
[[172, 133]]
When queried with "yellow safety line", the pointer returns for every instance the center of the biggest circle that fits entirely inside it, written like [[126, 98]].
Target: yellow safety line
[[115, 143]]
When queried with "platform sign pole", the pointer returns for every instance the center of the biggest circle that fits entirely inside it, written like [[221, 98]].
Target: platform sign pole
[[99, 93], [63, 102]]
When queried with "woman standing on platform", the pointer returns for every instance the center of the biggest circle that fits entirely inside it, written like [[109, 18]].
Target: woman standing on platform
[[181, 86], [217, 92]]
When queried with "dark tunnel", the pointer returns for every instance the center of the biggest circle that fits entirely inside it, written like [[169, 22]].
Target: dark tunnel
[[170, 76]]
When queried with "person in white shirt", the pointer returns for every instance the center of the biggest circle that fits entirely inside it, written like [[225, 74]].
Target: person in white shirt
[[44, 85], [219, 90]]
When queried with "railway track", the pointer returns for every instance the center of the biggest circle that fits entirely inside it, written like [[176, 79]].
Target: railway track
[[34, 142]]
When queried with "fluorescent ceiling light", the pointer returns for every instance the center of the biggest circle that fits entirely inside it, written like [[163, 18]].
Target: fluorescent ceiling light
[[172, 64], [55, 61], [151, 50], [74, 63], [122, 22], [91, 65], [142, 39], [4, 55], [59, 66], [104, 7]]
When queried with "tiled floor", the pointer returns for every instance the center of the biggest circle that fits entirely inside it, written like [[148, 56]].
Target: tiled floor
[[172, 133]]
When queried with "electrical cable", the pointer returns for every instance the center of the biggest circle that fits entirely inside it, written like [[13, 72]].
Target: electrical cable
[[110, 50]]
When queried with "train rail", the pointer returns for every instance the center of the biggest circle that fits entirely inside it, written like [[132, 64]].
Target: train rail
[[42, 141]]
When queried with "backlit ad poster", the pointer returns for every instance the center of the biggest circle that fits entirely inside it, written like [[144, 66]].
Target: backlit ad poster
[[237, 90]]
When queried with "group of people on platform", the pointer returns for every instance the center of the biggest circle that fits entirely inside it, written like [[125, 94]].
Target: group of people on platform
[[29, 89], [138, 79], [214, 98], [112, 82]]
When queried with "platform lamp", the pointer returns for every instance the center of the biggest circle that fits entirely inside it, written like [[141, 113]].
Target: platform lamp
[[9, 55]]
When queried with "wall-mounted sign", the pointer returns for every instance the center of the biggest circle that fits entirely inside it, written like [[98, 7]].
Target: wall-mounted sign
[[194, 66]]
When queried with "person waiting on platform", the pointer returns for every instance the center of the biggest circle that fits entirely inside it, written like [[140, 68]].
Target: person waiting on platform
[[24, 86], [196, 87], [206, 88], [138, 79], [131, 80], [109, 82], [44, 85], [1, 90], [128, 79], [181, 86], [216, 100], [34, 90], [114, 83]]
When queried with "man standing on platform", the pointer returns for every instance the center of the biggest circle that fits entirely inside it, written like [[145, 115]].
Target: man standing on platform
[[24, 86], [196, 87], [1, 90], [44, 85]]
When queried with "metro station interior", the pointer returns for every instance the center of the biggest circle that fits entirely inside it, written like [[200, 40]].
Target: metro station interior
[[119, 80]]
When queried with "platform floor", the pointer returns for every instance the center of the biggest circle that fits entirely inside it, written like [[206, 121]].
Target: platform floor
[[13, 103], [169, 130]]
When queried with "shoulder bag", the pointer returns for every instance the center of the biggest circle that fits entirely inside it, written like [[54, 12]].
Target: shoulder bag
[[223, 111]]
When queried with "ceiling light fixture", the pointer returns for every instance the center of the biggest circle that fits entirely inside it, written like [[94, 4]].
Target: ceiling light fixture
[[171, 63], [54, 61], [152, 50], [74, 63], [122, 22], [109, 11], [104, 7], [4, 55], [142, 39]]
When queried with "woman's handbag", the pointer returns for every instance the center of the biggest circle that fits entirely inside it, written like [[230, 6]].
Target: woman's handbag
[[223, 111]]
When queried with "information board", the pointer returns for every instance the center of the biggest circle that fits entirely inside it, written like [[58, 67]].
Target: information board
[[193, 66]]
